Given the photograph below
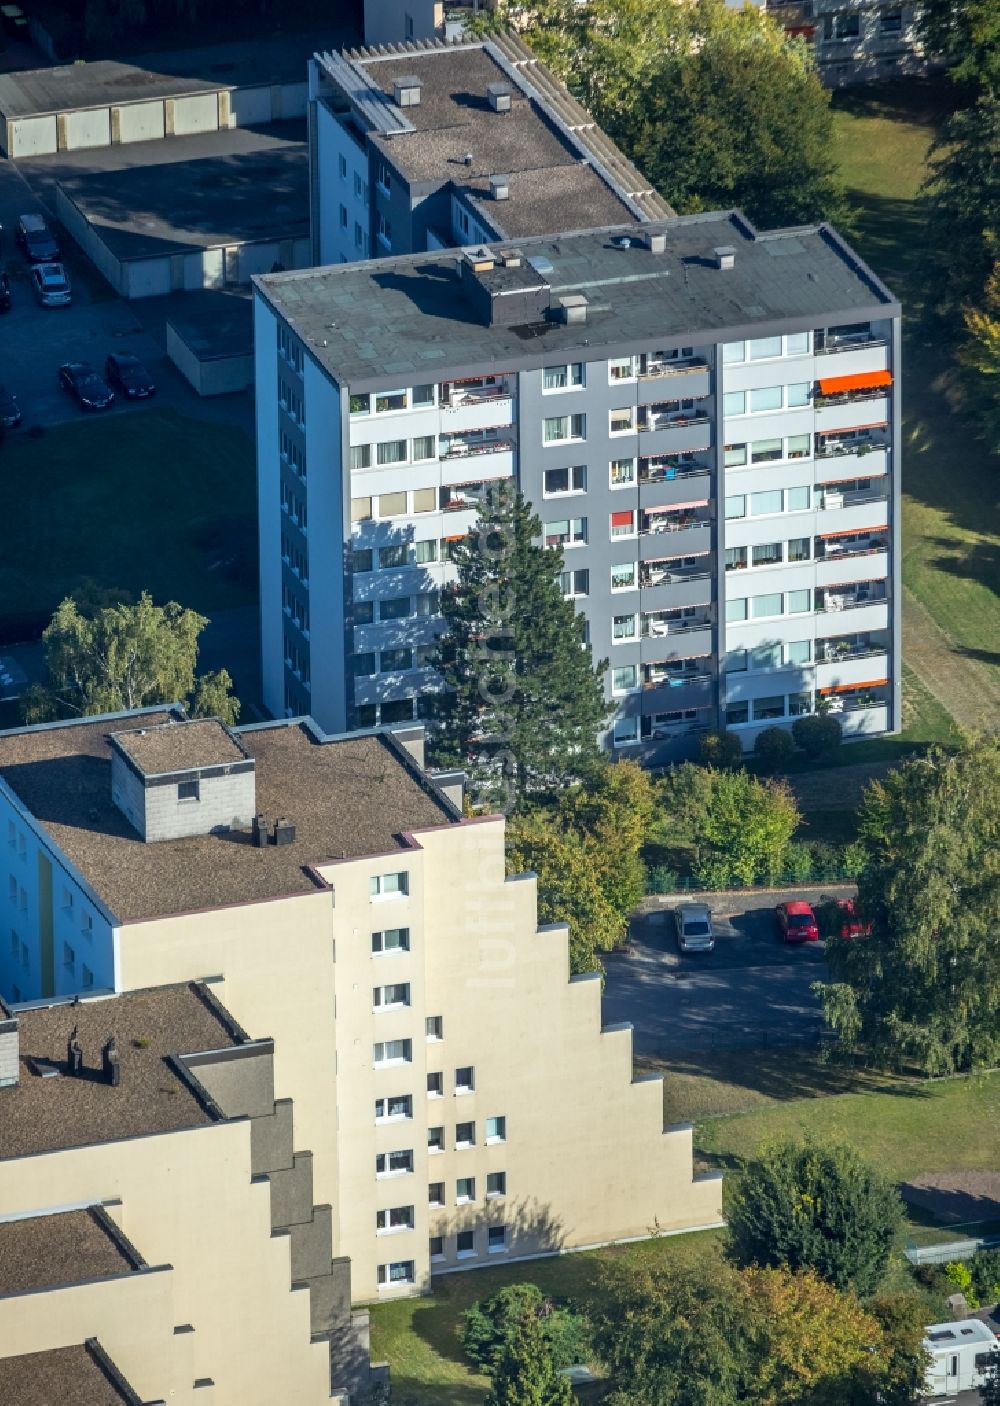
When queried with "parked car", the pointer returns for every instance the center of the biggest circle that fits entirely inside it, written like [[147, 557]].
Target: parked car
[[36, 239], [797, 921], [10, 411], [51, 286], [849, 923], [693, 926], [5, 296], [90, 389], [127, 372]]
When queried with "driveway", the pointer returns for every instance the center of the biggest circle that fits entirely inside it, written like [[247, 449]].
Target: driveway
[[751, 990]]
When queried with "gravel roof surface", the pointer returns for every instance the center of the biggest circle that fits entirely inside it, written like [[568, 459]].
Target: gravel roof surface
[[347, 797], [43, 1114], [64, 1376], [179, 747], [42, 1252]]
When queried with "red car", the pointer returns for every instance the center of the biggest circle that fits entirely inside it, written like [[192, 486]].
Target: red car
[[850, 925], [797, 921]]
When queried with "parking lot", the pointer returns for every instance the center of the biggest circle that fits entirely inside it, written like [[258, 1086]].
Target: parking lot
[[752, 990]]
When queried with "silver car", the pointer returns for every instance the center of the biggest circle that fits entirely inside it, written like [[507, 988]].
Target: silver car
[[693, 924], [51, 285]]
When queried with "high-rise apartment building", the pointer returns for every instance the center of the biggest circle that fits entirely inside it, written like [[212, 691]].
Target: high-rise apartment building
[[456, 1100], [705, 418]]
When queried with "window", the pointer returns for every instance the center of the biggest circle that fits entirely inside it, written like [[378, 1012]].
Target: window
[[395, 994], [363, 665], [435, 1139], [799, 549], [571, 480], [766, 656], [798, 394], [361, 456], [465, 1190], [391, 1275], [389, 885], [736, 610], [427, 550], [623, 679], [361, 403], [734, 402], [390, 557], [737, 713], [358, 233], [798, 603], [566, 533], [399, 1106], [496, 1129], [12, 888], [384, 231], [764, 708], [395, 661], [765, 451], [761, 607], [736, 558], [621, 368], [762, 504], [342, 163], [736, 661], [187, 790], [622, 421], [496, 1184], [435, 1193], [394, 608], [560, 378], [436, 1247], [623, 524], [736, 506], [343, 217], [734, 351], [799, 704], [396, 1218], [624, 627], [797, 499], [562, 427], [625, 731], [847, 26], [767, 554], [623, 578], [434, 1027], [734, 455], [391, 504], [391, 451], [622, 472], [797, 344], [383, 177], [465, 1134], [389, 400], [798, 651], [394, 1164], [428, 602], [88, 977], [465, 1243], [496, 1237], [575, 583], [764, 347], [392, 1052], [362, 560], [424, 447], [69, 957], [424, 395], [767, 398], [390, 940], [465, 1079]]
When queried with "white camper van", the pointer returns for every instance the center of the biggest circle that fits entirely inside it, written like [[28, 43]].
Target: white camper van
[[961, 1354]]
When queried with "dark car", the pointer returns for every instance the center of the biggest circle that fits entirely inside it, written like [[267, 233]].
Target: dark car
[[5, 298], [81, 380], [127, 372], [10, 411], [36, 239], [797, 921]]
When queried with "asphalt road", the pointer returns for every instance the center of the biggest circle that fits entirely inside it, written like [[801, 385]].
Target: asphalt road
[[750, 991]]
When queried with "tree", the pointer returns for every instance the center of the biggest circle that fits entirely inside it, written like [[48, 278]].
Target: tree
[[981, 354], [729, 825], [611, 811], [818, 734], [899, 1369], [773, 748], [721, 749], [964, 193], [924, 987], [967, 34], [816, 1206], [487, 1324], [528, 701], [108, 658], [524, 1374], [569, 890]]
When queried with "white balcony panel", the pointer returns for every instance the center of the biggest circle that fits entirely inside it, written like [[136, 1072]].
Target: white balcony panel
[[756, 479], [471, 468], [773, 425], [864, 722], [840, 467], [874, 616], [397, 424], [367, 483], [853, 361], [852, 516], [766, 580], [477, 415], [755, 375], [747, 532], [845, 671], [841, 571], [855, 412]]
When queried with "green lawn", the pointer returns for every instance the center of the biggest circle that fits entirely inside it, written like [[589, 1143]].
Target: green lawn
[[146, 500]]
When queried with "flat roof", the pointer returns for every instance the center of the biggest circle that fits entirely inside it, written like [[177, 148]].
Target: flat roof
[[347, 797], [214, 322], [574, 194], [274, 58], [240, 186], [390, 318], [168, 747], [44, 1252], [63, 1374], [46, 1114]]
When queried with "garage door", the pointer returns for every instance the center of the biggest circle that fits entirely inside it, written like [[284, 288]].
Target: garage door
[[33, 136], [294, 97], [140, 122], [250, 105], [91, 127], [198, 114]]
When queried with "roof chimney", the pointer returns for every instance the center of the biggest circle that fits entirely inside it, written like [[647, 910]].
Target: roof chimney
[[10, 1048], [406, 90], [500, 187], [725, 256], [499, 95], [657, 243], [571, 308]]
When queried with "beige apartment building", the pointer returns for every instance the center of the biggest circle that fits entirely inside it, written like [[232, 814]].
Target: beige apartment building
[[458, 1099]]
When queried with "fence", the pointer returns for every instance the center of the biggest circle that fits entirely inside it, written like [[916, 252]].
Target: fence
[[666, 881], [945, 1251]]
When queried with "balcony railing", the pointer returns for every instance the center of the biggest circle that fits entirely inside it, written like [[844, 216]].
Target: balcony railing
[[830, 551], [653, 629], [856, 702], [658, 523], [850, 343], [667, 473], [661, 576], [657, 680], [841, 655], [469, 450], [821, 402], [654, 370], [840, 449], [834, 498], [668, 421], [832, 604]]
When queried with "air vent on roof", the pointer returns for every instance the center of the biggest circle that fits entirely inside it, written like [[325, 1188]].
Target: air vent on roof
[[406, 90], [500, 187], [468, 159], [499, 95], [511, 258], [622, 241], [480, 259], [657, 243], [725, 256], [572, 308]]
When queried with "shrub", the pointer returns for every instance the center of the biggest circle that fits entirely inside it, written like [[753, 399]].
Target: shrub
[[959, 1275], [662, 879], [819, 735], [985, 1268], [721, 749], [774, 748], [489, 1322], [798, 863]]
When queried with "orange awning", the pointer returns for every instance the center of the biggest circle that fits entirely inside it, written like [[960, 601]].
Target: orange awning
[[851, 532], [853, 429], [864, 381], [678, 507], [831, 482], [850, 687]]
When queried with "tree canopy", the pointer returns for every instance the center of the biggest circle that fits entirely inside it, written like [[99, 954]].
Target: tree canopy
[[732, 826], [487, 1324], [108, 658], [924, 987], [524, 1372]]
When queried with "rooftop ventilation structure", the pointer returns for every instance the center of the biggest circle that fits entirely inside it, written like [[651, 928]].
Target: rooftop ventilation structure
[[468, 159], [500, 187], [499, 96], [657, 243], [571, 308], [724, 256], [406, 90], [503, 289], [622, 241]]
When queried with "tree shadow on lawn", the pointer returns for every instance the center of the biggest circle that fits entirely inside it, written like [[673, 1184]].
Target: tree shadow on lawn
[[971, 561], [925, 101]]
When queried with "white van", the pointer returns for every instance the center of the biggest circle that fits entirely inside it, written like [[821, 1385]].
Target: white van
[[961, 1355]]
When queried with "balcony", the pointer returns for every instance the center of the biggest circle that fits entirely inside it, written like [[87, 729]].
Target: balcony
[[688, 378], [857, 615], [838, 599], [853, 355], [851, 668], [476, 405], [851, 412], [463, 497], [663, 692], [674, 586], [865, 722], [674, 426], [682, 530], [493, 456], [872, 692], [659, 646], [852, 568]]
